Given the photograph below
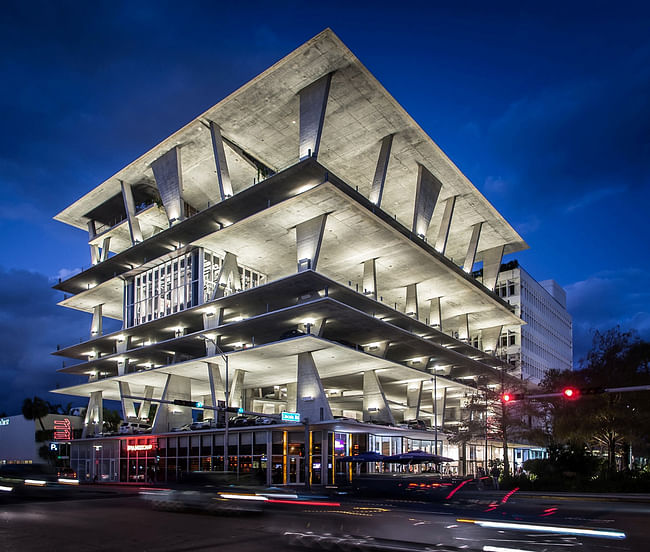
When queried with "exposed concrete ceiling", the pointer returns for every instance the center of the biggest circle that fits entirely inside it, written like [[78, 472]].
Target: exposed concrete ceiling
[[262, 118]]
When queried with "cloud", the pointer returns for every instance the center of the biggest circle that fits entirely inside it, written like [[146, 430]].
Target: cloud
[[607, 299], [31, 327]]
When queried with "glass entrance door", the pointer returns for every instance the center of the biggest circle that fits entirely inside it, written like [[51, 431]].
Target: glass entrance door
[[295, 473]]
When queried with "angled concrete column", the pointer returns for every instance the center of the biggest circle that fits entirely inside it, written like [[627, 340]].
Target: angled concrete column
[[377, 189], [435, 312], [491, 266], [92, 230], [236, 398], [217, 388], [145, 405], [292, 397], [128, 406], [96, 325], [445, 225], [223, 175], [370, 278], [378, 349], [313, 103], [412, 301], [470, 257], [490, 338], [309, 237], [106, 248], [129, 207], [167, 173], [169, 416], [311, 400], [463, 327], [213, 319], [94, 419], [95, 254], [375, 405], [439, 400], [426, 196], [228, 276], [413, 400], [315, 327]]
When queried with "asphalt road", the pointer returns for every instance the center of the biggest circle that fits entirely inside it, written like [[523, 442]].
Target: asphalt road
[[117, 519]]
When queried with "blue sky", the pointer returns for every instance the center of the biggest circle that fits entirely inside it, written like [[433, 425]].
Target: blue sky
[[546, 109]]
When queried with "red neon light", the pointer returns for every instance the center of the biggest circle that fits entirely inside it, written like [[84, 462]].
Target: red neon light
[[508, 495], [62, 430], [136, 448], [304, 502], [453, 492]]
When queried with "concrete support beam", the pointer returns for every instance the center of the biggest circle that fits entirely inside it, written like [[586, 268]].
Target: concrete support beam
[[470, 257], [311, 401], [128, 406], [223, 175], [375, 405], [94, 420], [169, 416], [292, 397], [378, 349], [491, 266], [236, 397], [95, 254], [377, 189], [169, 180], [439, 400], [445, 225], [145, 405], [435, 312], [92, 230], [490, 338], [426, 196], [313, 103], [315, 327], [129, 207], [214, 319], [217, 388], [97, 323], [309, 237], [413, 400], [412, 301], [370, 278], [229, 276]]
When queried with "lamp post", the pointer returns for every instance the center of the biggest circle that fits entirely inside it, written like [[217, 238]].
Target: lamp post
[[223, 355]]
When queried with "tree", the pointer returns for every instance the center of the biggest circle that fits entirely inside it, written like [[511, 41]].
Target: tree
[[112, 419], [35, 409]]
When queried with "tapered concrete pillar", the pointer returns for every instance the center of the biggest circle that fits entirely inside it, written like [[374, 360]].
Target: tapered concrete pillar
[[491, 266], [312, 402], [377, 189], [94, 419], [309, 237], [313, 103], [223, 175], [292, 397], [445, 225], [315, 326], [375, 405], [378, 349], [213, 318], [470, 257], [145, 405], [490, 338], [370, 278], [426, 196], [229, 276], [129, 206], [435, 313], [92, 230], [128, 405], [412, 301], [236, 398], [413, 400], [169, 180], [217, 387], [439, 400], [169, 416], [97, 323]]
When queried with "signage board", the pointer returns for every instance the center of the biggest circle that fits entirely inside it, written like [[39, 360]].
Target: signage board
[[62, 430], [139, 448], [54, 447], [290, 417], [4, 421]]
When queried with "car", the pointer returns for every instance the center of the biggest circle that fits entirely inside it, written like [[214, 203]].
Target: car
[[185, 427], [66, 473], [292, 333], [204, 424], [264, 420], [416, 424], [241, 421], [131, 428]]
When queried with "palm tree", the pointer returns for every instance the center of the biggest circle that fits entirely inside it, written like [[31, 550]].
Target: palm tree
[[35, 409]]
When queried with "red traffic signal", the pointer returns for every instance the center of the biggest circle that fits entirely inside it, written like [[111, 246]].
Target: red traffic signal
[[570, 393], [509, 397], [506, 397]]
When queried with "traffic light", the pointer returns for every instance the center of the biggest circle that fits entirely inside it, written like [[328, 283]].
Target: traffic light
[[193, 404], [509, 397], [570, 393]]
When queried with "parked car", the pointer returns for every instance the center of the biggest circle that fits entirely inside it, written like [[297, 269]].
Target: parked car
[[185, 427], [131, 428], [241, 421], [205, 424], [264, 420], [292, 333], [416, 424]]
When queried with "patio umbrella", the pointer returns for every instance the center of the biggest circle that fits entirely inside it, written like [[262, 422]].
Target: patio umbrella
[[363, 457], [417, 457]]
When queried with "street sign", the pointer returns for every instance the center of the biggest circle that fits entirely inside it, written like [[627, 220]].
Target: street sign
[[290, 417]]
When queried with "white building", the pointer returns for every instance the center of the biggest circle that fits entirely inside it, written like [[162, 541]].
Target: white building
[[545, 342]]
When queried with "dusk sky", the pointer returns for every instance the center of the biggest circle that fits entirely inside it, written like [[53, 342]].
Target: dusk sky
[[547, 111]]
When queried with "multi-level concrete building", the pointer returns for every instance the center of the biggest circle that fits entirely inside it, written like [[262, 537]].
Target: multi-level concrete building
[[545, 342], [302, 246]]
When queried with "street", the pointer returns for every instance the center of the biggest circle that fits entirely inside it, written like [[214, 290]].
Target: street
[[118, 519]]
